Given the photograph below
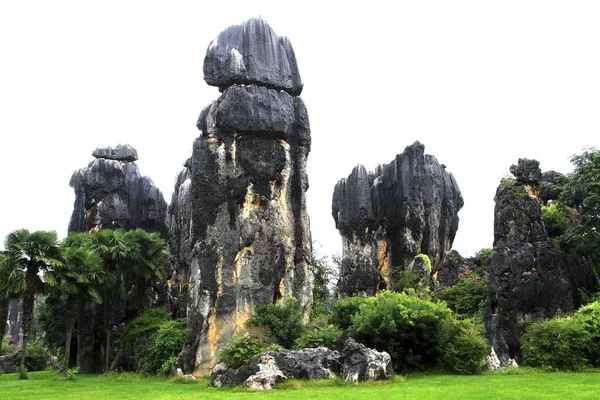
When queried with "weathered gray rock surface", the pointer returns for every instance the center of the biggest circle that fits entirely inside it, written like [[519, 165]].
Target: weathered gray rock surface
[[251, 53], [360, 363], [239, 206], [111, 193], [120, 153], [530, 276], [388, 216], [354, 363]]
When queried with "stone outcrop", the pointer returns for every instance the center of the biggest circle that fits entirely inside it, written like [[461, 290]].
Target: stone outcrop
[[354, 362], [388, 216], [239, 206], [360, 363], [529, 275], [251, 53], [111, 193]]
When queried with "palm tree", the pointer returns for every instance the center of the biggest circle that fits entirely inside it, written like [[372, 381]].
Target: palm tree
[[78, 278], [4, 302], [115, 249], [26, 255], [147, 263]]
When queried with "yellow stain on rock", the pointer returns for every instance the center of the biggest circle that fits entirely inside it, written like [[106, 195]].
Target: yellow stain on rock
[[531, 191], [249, 203], [236, 263], [285, 178], [382, 262], [213, 336], [220, 276]]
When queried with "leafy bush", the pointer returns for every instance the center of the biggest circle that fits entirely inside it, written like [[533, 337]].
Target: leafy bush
[[9, 345], [240, 350], [146, 324], [283, 322], [557, 343], [153, 341], [463, 347], [346, 308], [165, 347], [466, 297], [404, 325], [556, 219], [405, 279], [589, 317], [319, 333]]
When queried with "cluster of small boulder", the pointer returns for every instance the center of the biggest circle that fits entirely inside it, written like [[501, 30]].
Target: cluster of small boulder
[[352, 362]]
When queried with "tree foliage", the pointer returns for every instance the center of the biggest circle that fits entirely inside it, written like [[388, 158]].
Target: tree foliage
[[580, 191], [283, 322]]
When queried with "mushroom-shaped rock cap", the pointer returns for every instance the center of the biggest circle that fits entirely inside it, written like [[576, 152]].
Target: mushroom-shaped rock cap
[[119, 153], [251, 53]]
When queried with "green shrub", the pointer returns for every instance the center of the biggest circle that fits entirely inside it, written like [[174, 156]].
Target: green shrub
[[559, 343], [556, 219], [240, 350], [165, 347], [463, 347], [283, 322], [589, 317], [405, 279], [143, 326], [346, 308], [319, 333], [404, 325], [466, 297], [152, 341]]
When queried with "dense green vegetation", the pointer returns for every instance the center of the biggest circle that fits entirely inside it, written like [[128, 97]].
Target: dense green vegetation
[[515, 384], [571, 342]]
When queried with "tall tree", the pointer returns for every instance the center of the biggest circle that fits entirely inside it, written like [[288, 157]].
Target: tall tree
[[580, 190], [79, 277], [147, 263], [26, 255], [116, 251], [4, 301]]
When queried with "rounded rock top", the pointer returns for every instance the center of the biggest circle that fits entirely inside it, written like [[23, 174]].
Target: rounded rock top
[[119, 153], [251, 53]]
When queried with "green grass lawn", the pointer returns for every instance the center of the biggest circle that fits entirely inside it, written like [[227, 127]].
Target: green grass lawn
[[519, 384]]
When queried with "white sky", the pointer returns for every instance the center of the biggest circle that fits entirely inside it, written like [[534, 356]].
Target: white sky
[[480, 83]]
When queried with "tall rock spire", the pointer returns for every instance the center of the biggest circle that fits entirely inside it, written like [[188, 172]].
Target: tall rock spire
[[387, 217], [249, 236]]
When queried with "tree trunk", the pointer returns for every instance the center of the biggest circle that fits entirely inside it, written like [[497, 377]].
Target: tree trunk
[[107, 350], [72, 307], [3, 317], [28, 302]]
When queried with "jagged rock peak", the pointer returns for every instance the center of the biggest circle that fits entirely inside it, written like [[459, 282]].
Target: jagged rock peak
[[119, 153], [111, 193], [527, 171], [251, 53], [388, 216], [530, 276]]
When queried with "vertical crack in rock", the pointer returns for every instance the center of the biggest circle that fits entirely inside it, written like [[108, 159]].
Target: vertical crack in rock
[[388, 216], [239, 206], [529, 276]]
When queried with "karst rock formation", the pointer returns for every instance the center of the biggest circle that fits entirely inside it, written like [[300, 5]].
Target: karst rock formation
[[389, 216], [111, 193], [529, 276], [241, 229]]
